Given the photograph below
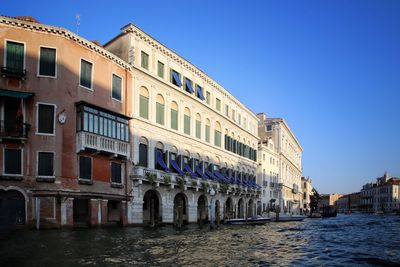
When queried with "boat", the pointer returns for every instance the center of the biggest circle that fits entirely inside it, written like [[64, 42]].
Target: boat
[[315, 215], [255, 220], [293, 218], [329, 211]]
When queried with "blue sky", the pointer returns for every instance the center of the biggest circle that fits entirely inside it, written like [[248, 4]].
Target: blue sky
[[330, 68]]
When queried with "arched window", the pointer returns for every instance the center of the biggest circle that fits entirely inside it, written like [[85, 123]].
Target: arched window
[[217, 134], [174, 115], [160, 109], [143, 151], [198, 126], [160, 148], [186, 121], [144, 103], [207, 130]]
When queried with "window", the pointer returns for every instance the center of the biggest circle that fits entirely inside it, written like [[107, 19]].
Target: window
[[116, 172], [208, 97], [86, 74], [143, 152], [144, 103], [207, 130], [15, 57], [85, 168], [227, 110], [199, 92], [233, 115], [145, 60], [116, 87], [176, 78], [12, 161], [217, 134], [186, 121], [218, 104], [45, 164], [239, 119], [174, 116], [198, 126], [160, 110], [160, 69], [45, 119], [188, 85], [269, 128], [47, 62]]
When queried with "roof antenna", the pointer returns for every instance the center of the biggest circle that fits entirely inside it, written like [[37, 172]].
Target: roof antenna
[[78, 22]]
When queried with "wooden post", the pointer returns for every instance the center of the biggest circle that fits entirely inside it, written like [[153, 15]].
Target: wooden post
[[217, 212], [180, 213], [152, 221]]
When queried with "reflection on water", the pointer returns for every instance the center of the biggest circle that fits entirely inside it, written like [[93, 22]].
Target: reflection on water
[[343, 241]]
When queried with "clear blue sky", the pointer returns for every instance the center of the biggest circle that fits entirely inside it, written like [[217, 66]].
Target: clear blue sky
[[330, 68]]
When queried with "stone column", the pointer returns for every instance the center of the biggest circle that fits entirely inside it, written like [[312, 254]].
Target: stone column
[[135, 213], [167, 207], [67, 212], [104, 211], [93, 212]]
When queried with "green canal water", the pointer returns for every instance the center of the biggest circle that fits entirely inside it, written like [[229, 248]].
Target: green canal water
[[355, 240]]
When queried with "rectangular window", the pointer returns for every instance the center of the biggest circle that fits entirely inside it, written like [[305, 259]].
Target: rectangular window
[[174, 119], [233, 115], [86, 74], [239, 119], [186, 124], [208, 133], [116, 172], [143, 155], [116, 87], [145, 60], [47, 62], [160, 113], [188, 85], [45, 164], [208, 97], [227, 110], [218, 104], [269, 128], [45, 119], [199, 92], [160, 69], [198, 129], [176, 78], [13, 161], [217, 138], [85, 168], [15, 57], [144, 107]]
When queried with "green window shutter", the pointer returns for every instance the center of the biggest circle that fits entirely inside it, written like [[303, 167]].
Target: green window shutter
[[145, 60], [86, 74], [47, 62], [217, 138], [207, 133], [160, 69], [160, 113], [174, 119], [198, 129], [116, 87], [218, 104], [186, 124], [144, 107], [15, 56]]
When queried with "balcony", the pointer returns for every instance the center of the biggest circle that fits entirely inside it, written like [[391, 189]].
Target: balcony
[[13, 73], [85, 140], [15, 130]]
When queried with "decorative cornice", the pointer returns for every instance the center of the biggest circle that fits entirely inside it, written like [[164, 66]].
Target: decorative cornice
[[66, 34]]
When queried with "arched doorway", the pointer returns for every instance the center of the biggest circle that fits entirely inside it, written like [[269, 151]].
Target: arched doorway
[[180, 210], [12, 208], [151, 208], [228, 208], [250, 208], [241, 208], [202, 214]]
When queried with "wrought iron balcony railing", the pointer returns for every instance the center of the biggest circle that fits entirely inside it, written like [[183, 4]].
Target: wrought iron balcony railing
[[14, 130], [13, 73]]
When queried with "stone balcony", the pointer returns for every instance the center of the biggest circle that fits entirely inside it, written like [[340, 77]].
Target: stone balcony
[[85, 140]]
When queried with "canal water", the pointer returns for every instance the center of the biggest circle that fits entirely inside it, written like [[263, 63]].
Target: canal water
[[347, 240]]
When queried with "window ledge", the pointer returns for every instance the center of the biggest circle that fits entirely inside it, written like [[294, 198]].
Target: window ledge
[[84, 181], [116, 185], [11, 177], [45, 179]]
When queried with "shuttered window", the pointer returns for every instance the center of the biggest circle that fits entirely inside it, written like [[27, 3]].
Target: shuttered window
[[198, 129], [12, 161], [45, 164], [116, 87], [86, 74], [160, 69], [160, 113], [45, 119], [218, 104], [143, 152], [208, 133], [144, 107], [145, 60], [47, 62], [174, 119], [15, 56], [116, 172], [186, 124], [217, 138], [85, 168]]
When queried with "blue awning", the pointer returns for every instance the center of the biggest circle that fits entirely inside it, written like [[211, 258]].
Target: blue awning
[[176, 167], [15, 94], [176, 78], [199, 172], [189, 170], [188, 86], [210, 175], [200, 93], [220, 176], [160, 160]]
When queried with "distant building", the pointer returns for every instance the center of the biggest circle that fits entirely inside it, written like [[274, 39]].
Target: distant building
[[381, 196], [349, 202], [329, 199], [306, 189]]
